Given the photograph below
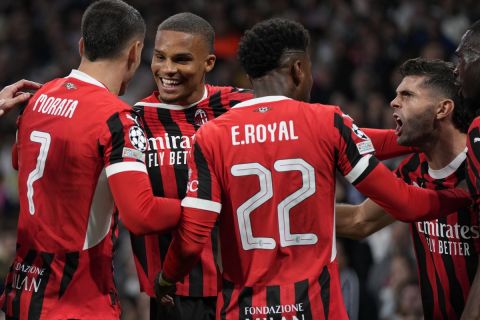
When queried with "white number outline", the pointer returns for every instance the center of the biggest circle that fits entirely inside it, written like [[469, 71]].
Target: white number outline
[[308, 188], [44, 139]]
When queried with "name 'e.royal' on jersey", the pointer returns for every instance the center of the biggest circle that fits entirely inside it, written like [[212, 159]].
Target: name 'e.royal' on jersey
[[170, 129], [447, 248], [282, 262], [72, 136]]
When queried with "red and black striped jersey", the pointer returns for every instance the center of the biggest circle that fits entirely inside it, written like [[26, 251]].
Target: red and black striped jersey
[[169, 129], [72, 135], [268, 168], [446, 248], [473, 161]]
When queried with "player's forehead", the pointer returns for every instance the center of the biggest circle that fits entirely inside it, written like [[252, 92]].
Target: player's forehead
[[415, 83], [179, 42]]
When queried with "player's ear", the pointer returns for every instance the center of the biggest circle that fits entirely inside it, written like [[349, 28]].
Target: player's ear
[[445, 108], [134, 54], [296, 72], [81, 47], [210, 62]]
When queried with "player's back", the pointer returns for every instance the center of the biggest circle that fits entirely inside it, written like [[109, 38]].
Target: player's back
[[275, 160], [65, 139]]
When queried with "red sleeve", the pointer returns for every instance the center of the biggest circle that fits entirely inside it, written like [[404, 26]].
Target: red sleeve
[[139, 209], [193, 232], [406, 202], [385, 143]]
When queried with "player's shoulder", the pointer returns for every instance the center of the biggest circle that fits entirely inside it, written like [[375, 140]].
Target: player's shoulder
[[475, 126], [148, 100], [412, 162], [229, 91]]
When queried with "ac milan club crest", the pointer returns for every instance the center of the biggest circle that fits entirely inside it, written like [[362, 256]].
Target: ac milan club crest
[[200, 117]]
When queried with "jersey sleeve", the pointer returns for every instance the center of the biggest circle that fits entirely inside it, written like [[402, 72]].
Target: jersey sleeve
[[200, 209], [353, 147], [123, 143], [203, 188], [385, 143]]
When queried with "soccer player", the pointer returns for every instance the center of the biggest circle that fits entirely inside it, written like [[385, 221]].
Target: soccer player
[[468, 71], [431, 118], [81, 153], [266, 171], [13, 95], [183, 54]]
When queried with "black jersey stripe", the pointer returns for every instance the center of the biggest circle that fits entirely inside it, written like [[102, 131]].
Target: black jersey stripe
[[36, 303], [411, 166], [244, 302], [456, 297], [352, 153], [471, 261], [273, 300], [71, 265], [139, 250], [441, 296], [425, 286], [301, 297], [227, 290], [195, 278], [19, 277], [118, 140], [215, 102], [204, 177], [173, 130], [324, 282]]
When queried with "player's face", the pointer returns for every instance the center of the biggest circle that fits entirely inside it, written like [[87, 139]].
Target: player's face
[[468, 67], [414, 111], [179, 64]]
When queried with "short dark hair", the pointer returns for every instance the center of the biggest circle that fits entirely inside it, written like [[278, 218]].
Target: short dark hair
[[440, 75], [188, 22], [262, 47], [108, 26]]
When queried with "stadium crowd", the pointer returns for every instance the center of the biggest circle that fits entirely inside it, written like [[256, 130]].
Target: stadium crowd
[[356, 48]]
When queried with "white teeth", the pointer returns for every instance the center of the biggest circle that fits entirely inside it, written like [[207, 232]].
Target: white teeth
[[169, 83]]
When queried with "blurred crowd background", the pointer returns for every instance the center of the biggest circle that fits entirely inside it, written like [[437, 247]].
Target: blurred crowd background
[[356, 48]]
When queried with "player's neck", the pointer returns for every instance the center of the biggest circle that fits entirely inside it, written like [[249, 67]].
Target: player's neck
[[273, 84], [444, 148], [106, 72]]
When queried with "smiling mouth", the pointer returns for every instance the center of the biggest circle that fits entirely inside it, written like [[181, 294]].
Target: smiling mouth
[[398, 121], [169, 83]]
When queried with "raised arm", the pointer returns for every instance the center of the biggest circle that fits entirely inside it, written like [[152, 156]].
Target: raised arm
[[360, 221]]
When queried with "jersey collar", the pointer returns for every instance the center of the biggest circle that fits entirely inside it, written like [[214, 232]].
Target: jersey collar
[[449, 168], [171, 106], [82, 76], [254, 101]]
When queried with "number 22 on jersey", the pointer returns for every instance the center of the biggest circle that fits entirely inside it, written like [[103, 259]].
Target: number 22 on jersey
[[249, 241]]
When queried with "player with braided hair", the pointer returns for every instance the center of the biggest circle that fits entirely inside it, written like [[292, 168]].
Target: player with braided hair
[[266, 171]]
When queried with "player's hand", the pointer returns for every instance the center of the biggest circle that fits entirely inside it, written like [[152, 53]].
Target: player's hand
[[164, 290], [13, 95]]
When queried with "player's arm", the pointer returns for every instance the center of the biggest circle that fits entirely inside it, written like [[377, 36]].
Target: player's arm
[[140, 211], [122, 144], [385, 143], [200, 210], [472, 306], [404, 202], [360, 221]]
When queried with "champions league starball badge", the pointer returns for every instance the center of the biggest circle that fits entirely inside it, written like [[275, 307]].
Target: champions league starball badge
[[137, 138]]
